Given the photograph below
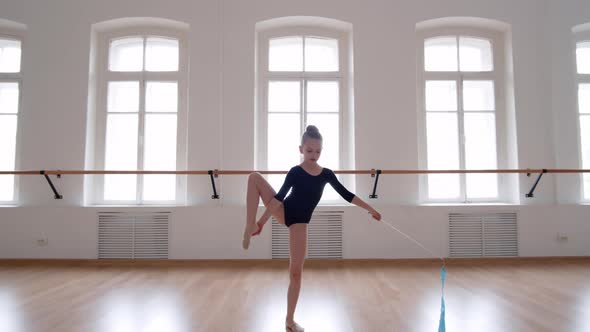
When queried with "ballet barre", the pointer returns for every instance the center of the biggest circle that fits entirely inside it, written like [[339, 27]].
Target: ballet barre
[[373, 172]]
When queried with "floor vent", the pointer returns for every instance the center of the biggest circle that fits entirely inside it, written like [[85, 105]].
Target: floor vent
[[324, 236], [483, 235], [137, 235]]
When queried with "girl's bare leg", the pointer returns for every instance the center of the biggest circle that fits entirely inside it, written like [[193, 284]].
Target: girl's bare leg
[[297, 251], [258, 188]]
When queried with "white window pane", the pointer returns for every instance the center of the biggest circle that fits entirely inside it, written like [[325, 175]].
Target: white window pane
[[161, 54], [329, 194], [442, 153], [285, 54], [126, 54], [284, 96], [276, 180], [121, 142], [283, 141], [329, 127], [478, 96], [9, 97], [441, 95], [123, 97], [7, 187], [480, 153], [161, 97], [585, 140], [323, 96], [475, 54], [283, 145], [10, 54], [480, 141], [321, 54], [584, 98], [8, 125], [583, 57], [440, 54], [481, 186], [585, 144], [442, 139], [443, 186], [159, 187], [160, 142], [120, 187]]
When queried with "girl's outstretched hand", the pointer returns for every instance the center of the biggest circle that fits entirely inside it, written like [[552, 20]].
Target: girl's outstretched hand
[[376, 215], [260, 225]]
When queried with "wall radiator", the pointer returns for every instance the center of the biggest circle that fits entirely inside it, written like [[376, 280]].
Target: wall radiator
[[483, 234], [324, 238], [133, 235]]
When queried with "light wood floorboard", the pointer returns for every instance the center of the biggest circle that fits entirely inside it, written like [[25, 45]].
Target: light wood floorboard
[[347, 295]]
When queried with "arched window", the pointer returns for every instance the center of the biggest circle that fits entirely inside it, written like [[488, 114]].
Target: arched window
[[141, 110], [461, 104], [11, 41], [583, 102]]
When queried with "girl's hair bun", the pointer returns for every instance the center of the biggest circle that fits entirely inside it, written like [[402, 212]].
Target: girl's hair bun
[[311, 131]]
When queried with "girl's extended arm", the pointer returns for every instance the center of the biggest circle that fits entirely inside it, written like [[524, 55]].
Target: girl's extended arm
[[350, 197], [359, 202]]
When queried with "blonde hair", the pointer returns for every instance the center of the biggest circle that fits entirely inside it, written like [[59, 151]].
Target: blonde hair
[[311, 132]]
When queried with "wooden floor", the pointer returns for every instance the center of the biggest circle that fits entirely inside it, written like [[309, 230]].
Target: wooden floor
[[539, 295]]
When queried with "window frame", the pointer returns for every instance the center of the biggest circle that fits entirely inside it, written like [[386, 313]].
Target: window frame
[[497, 75], [343, 76], [13, 34], [104, 76], [580, 37]]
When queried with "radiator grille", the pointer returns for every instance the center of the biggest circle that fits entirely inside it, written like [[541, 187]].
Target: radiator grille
[[483, 235], [324, 236], [137, 235]]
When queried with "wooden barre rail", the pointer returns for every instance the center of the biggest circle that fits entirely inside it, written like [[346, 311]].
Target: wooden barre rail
[[245, 172], [373, 172]]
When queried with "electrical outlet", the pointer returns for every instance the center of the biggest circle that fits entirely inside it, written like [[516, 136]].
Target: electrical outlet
[[42, 242], [561, 236]]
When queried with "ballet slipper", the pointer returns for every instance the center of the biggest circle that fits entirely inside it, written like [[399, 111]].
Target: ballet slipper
[[247, 237], [294, 327]]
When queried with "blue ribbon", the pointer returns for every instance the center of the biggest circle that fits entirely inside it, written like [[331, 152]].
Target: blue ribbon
[[441, 322]]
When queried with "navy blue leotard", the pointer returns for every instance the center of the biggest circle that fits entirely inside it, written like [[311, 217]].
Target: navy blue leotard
[[306, 192]]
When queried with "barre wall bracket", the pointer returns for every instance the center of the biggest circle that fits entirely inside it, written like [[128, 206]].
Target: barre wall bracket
[[212, 175], [377, 173], [56, 194], [531, 192]]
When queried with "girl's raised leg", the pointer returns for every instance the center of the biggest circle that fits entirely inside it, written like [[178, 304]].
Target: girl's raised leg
[[258, 188]]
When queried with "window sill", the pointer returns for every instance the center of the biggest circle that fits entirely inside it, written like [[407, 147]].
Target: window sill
[[134, 206], [468, 204]]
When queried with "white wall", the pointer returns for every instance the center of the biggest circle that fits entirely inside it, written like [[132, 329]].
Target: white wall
[[215, 232], [221, 114]]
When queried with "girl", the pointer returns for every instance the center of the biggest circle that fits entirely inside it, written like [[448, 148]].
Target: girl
[[307, 181]]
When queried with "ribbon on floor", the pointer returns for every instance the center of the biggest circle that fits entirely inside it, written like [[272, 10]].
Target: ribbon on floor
[[443, 276], [441, 322]]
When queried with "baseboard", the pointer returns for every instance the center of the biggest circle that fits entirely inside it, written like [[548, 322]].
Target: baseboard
[[271, 262]]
